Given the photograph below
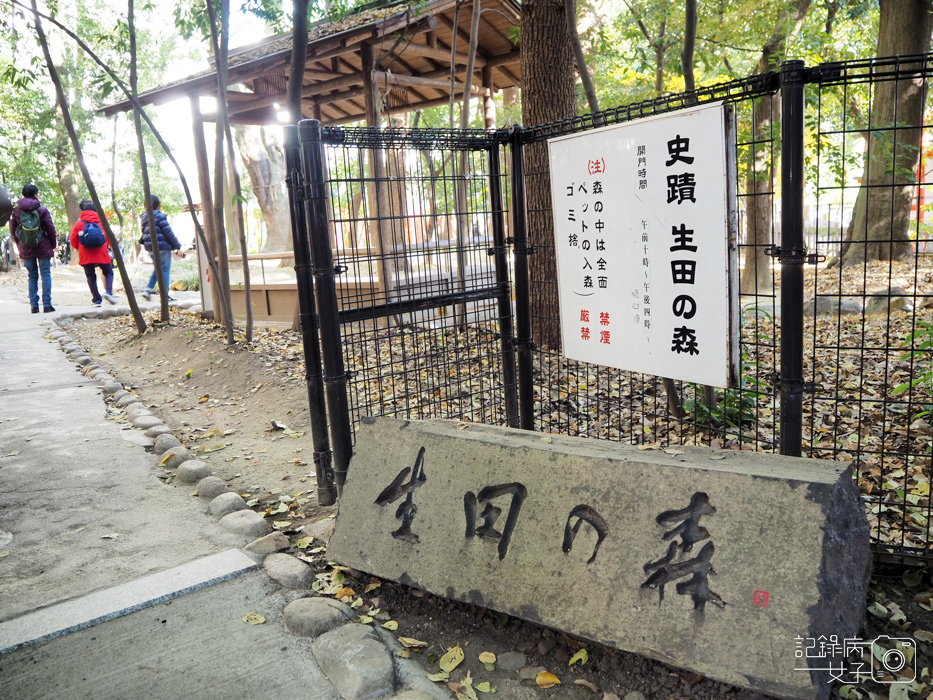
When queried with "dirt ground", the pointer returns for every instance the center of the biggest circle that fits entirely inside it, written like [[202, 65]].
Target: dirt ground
[[244, 410]]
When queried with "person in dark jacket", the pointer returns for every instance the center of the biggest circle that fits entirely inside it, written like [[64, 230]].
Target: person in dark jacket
[[167, 243], [38, 260], [91, 258]]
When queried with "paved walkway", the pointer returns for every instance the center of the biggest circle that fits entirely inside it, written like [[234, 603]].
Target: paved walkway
[[91, 542]]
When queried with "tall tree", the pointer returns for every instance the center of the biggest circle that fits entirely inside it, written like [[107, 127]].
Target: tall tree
[[881, 219], [548, 94], [264, 157], [220, 36], [759, 181], [658, 38], [73, 136], [690, 37], [570, 9]]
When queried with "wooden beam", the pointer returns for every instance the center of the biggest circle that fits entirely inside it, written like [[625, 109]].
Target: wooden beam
[[383, 77], [512, 78], [345, 81], [234, 96], [401, 48], [341, 96], [258, 103], [504, 59], [464, 36]]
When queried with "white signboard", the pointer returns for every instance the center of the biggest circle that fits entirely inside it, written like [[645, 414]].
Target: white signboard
[[644, 219]]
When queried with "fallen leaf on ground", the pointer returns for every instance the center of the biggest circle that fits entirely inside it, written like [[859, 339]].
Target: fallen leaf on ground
[[391, 625], [586, 684], [304, 542], [487, 657], [253, 618], [452, 659], [484, 687], [365, 619], [581, 656], [546, 679], [411, 643], [923, 635], [372, 586], [439, 677]]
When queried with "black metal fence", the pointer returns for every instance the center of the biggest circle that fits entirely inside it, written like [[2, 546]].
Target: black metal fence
[[432, 254]]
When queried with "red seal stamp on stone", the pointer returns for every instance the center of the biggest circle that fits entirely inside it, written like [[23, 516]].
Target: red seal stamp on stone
[[761, 598]]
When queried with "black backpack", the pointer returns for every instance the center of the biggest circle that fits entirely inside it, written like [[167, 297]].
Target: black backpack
[[29, 232], [92, 236]]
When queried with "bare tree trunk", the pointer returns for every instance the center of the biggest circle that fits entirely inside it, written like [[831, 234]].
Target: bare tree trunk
[[690, 36], [264, 157], [92, 191], [759, 186], [68, 182], [548, 95], [157, 251], [199, 230], [113, 183], [588, 88], [756, 274], [220, 55], [881, 220]]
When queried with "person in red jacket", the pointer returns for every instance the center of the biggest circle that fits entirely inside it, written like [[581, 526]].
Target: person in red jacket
[[90, 258]]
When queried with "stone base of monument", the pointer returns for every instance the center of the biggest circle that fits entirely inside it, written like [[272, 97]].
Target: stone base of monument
[[726, 563]]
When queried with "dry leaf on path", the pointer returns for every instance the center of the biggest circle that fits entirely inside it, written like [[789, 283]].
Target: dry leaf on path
[[581, 656], [391, 625], [546, 679], [452, 659], [586, 684], [411, 643], [440, 677], [487, 657], [253, 619]]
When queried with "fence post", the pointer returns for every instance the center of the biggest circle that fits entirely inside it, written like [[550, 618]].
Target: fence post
[[793, 254], [314, 375], [523, 340], [325, 289], [505, 296]]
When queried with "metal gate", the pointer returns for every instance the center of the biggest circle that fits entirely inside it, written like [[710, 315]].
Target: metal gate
[[434, 294]]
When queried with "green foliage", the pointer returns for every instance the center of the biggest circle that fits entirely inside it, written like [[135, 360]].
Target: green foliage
[[921, 340], [734, 407]]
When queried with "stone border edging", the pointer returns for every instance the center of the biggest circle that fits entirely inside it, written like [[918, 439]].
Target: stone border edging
[[362, 662]]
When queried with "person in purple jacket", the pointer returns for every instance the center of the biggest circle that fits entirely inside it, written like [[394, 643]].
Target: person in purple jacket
[[37, 260]]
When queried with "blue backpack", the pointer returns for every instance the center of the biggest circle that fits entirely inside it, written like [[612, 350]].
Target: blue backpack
[[92, 236]]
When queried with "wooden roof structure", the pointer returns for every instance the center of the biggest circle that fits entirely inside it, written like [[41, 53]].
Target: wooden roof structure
[[393, 56]]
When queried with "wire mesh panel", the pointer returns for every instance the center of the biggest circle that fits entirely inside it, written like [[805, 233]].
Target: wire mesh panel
[[578, 398], [869, 322], [418, 224]]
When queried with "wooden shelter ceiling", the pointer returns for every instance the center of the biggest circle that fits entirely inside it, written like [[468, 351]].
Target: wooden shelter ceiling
[[407, 46]]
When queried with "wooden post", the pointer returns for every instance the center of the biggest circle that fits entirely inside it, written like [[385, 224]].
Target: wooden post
[[204, 187], [382, 240], [489, 101]]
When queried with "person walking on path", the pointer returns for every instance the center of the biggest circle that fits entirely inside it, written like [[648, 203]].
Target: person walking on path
[[167, 242], [37, 242], [84, 234]]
